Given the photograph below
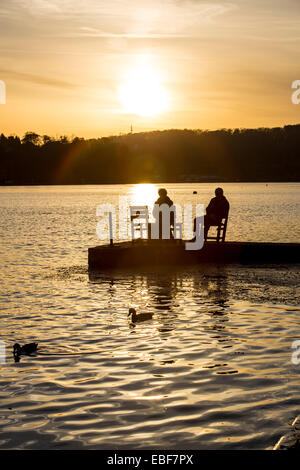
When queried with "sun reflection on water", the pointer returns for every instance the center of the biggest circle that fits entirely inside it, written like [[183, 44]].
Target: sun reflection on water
[[144, 195]]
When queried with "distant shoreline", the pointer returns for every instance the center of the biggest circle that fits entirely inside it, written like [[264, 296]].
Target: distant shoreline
[[152, 182], [183, 156]]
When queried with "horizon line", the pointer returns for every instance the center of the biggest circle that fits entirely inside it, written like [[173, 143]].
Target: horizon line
[[120, 134]]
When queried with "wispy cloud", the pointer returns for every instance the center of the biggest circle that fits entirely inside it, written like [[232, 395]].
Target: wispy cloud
[[120, 18], [36, 79]]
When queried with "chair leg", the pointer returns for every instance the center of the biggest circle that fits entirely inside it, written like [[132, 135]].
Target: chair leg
[[224, 231], [144, 231], [206, 229]]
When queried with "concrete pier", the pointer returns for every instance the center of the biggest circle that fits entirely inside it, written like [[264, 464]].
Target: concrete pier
[[291, 440], [144, 253]]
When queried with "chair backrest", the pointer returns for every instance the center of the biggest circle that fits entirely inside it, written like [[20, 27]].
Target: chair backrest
[[224, 220], [139, 218], [221, 227], [139, 212]]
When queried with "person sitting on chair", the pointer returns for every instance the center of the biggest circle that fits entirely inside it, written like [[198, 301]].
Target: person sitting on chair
[[216, 210], [163, 199]]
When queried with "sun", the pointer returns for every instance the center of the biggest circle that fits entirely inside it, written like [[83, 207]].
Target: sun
[[142, 92]]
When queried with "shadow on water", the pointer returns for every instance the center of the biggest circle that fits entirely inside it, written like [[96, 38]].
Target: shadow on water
[[216, 284]]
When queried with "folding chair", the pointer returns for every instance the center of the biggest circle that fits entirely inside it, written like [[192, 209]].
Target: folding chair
[[221, 230], [139, 219]]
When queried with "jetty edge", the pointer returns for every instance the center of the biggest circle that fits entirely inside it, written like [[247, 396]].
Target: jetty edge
[[146, 253], [291, 440]]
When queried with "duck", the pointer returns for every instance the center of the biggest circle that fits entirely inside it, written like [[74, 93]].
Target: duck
[[26, 349], [137, 317]]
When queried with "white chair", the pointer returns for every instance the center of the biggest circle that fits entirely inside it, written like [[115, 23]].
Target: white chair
[[139, 218]]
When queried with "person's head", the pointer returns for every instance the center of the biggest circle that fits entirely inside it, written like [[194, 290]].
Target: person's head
[[162, 192], [219, 192]]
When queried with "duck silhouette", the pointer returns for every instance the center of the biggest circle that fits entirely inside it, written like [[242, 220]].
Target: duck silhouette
[[27, 349], [138, 317]]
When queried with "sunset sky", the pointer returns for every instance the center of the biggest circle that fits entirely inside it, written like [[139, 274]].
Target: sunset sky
[[93, 68]]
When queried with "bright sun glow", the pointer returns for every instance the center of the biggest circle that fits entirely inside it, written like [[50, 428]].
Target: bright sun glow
[[142, 92], [144, 194]]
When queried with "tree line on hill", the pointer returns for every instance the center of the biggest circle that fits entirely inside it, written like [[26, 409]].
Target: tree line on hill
[[264, 154]]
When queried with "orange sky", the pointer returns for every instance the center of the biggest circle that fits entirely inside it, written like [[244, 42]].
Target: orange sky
[[94, 68]]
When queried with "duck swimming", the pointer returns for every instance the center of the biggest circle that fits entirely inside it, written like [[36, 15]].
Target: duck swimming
[[137, 317], [26, 349]]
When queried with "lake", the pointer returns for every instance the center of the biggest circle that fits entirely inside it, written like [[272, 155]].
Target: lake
[[213, 368]]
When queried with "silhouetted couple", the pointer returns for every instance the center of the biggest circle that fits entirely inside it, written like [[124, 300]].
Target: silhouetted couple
[[216, 210]]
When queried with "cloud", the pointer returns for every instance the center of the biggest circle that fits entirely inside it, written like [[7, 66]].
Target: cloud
[[37, 79], [119, 18], [32, 6], [157, 19]]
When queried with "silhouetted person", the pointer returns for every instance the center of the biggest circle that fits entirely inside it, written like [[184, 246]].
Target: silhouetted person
[[216, 210], [163, 199]]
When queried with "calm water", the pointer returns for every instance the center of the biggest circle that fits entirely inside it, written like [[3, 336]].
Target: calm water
[[211, 370]]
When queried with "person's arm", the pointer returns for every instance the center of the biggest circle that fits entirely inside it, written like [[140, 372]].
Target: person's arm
[[210, 206], [227, 207]]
